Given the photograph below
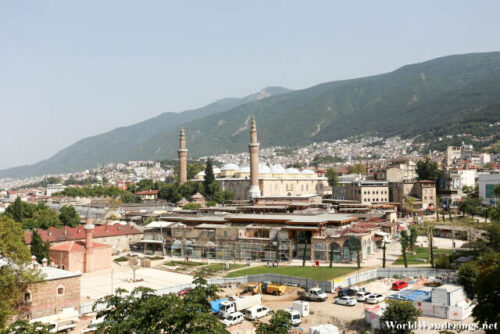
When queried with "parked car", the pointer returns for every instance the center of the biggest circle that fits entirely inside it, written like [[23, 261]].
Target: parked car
[[233, 319], [399, 285], [184, 292], [256, 312], [347, 292], [374, 299], [346, 300], [361, 296]]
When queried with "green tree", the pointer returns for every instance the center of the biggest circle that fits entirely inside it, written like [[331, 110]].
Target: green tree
[[467, 275], [429, 230], [128, 197], [304, 254], [413, 237], [278, 324], [333, 178], [383, 256], [209, 179], [357, 169], [405, 242], [144, 311], [170, 192], [471, 206], [429, 170], [401, 312], [16, 212], [487, 290], [14, 278], [24, 327], [39, 248], [69, 216], [354, 245], [493, 235]]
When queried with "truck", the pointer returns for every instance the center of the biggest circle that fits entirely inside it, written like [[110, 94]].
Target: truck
[[267, 288], [238, 304], [295, 318], [215, 305], [313, 294]]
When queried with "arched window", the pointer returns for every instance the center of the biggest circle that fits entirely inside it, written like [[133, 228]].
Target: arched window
[[319, 251], [337, 252]]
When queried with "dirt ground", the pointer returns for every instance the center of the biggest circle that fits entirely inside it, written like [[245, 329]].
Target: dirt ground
[[349, 319]]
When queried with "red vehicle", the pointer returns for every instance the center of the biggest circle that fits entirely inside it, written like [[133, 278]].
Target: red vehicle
[[399, 285], [184, 292]]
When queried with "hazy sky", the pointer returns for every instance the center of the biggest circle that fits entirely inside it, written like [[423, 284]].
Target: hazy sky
[[72, 69]]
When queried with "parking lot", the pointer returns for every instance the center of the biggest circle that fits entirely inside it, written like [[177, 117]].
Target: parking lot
[[349, 319]]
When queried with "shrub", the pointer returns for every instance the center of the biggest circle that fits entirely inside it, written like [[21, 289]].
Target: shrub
[[191, 206], [121, 259], [211, 203], [442, 262]]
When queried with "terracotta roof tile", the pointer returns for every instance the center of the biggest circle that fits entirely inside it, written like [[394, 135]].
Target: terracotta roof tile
[[53, 234]]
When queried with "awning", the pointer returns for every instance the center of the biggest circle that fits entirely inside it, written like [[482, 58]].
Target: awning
[[145, 241]]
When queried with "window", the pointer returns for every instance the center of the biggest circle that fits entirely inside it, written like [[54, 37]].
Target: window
[[60, 291], [27, 296]]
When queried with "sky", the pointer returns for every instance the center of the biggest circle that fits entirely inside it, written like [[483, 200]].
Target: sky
[[73, 69]]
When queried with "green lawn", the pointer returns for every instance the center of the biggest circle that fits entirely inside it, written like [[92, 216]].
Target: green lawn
[[222, 266], [421, 255], [183, 263], [321, 273]]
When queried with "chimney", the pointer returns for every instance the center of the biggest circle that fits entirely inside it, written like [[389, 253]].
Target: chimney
[[44, 262]]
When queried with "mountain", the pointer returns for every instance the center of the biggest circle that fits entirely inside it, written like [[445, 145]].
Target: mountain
[[127, 143], [453, 93]]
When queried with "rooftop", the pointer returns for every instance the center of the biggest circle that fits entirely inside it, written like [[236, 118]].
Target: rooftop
[[66, 233]]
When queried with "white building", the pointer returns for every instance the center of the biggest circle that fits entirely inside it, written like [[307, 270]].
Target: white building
[[487, 184]]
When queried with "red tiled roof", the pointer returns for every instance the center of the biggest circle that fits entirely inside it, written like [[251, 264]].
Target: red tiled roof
[[66, 233], [147, 192], [76, 246]]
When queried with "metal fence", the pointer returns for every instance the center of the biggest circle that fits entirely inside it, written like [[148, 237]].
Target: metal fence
[[327, 286], [390, 272]]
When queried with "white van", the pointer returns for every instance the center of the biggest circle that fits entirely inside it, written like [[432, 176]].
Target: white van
[[295, 318], [256, 312], [233, 319]]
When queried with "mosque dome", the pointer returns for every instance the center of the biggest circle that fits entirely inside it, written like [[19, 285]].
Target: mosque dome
[[245, 169], [292, 170], [277, 169], [308, 171], [264, 169], [202, 173], [230, 166]]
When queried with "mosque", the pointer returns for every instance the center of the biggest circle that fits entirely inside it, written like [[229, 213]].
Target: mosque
[[258, 180]]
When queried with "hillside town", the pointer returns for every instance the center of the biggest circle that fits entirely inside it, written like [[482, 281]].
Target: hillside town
[[257, 167], [261, 213]]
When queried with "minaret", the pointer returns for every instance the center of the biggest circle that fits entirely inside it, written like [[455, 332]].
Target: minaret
[[182, 157], [89, 231], [254, 162]]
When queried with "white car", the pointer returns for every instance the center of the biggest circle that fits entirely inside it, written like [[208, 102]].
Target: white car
[[233, 319], [346, 300], [374, 299], [362, 295], [256, 312]]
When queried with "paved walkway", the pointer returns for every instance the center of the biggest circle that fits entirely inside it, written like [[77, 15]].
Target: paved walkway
[[101, 283]]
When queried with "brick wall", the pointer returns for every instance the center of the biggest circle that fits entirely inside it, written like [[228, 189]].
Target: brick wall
[[46, 300]]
